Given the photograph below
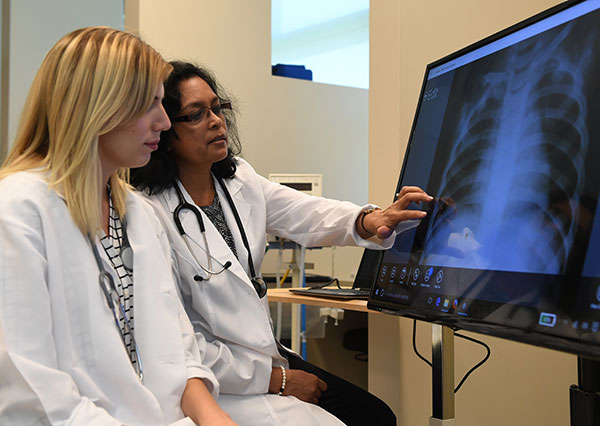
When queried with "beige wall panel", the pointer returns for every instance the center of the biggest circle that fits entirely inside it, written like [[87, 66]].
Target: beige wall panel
[[521, 385]]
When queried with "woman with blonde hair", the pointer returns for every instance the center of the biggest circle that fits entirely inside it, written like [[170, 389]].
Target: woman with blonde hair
[[92, 331]]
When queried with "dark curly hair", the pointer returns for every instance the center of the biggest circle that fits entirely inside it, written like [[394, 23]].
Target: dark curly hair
[[161, 171]]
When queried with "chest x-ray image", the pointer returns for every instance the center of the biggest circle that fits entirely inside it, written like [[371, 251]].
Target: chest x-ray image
[[511, 156]]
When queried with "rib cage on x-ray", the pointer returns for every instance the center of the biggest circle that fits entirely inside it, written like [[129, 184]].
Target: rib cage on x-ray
[[516, 168]]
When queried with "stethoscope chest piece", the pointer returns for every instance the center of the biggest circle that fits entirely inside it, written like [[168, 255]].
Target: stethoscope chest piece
[[127, 258], [126, 251], [260, 286]]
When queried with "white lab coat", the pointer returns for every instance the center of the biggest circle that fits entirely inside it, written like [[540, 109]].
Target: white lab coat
[[226, 309], [62, 360]]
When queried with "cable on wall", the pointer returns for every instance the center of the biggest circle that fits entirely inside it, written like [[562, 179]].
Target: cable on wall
[[475, 367]]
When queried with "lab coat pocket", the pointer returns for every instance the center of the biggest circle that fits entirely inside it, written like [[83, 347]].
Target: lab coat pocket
[[239, 315]]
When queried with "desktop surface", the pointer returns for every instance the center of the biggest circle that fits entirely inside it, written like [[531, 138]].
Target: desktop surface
[[285, 296]]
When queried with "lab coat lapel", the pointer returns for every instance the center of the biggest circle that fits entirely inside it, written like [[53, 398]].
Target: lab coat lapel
[[153, 304]]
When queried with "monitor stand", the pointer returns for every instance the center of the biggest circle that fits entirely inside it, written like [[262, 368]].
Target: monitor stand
[[442, 358], [585, 397]]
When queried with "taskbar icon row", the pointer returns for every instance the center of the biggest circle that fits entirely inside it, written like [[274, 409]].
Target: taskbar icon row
[[432, 301], [423, 276]]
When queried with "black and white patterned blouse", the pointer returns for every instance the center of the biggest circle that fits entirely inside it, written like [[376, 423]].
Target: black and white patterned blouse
[[112, 246], [214, 211]]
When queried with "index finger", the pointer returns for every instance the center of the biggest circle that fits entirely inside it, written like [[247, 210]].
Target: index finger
[[408, 189], [413, 197]]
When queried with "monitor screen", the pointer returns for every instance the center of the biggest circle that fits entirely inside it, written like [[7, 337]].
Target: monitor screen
[[506, 138]]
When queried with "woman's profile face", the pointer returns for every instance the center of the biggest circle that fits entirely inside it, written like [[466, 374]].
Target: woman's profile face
[[131, 144], [201, 142]]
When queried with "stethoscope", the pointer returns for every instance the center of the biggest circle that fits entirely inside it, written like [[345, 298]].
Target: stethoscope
[[257, 282], [107, 284]]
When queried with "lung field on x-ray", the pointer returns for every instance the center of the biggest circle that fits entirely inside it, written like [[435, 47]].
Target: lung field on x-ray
[[515, 171]]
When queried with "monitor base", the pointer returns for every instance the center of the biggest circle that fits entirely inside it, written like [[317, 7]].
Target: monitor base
[[585, 397], [439, 422]]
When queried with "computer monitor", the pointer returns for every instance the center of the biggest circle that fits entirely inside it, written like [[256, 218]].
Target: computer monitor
[[506, 137]]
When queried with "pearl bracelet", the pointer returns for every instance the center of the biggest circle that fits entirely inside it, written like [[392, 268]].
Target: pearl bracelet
[[282, 380]]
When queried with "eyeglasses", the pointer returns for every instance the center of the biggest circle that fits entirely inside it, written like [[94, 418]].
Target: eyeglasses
[[203, 113]]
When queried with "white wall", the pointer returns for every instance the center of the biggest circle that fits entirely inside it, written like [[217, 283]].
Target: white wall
[[36, 25], [287, 125]]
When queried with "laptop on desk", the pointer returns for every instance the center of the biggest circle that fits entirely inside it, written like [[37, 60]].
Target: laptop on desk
[[361, 288]]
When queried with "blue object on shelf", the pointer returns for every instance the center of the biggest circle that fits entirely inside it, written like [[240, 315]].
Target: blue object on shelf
[[293, 71]]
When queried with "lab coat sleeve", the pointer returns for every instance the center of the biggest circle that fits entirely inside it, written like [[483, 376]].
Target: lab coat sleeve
[[32, 388], [240, 372], [195, 350], [195, 354], [315, 221]]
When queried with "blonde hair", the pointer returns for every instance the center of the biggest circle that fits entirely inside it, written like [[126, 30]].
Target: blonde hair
[[92, 81]]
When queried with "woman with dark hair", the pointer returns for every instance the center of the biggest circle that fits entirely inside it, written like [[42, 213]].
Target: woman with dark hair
[[217, 211], [163, 170]]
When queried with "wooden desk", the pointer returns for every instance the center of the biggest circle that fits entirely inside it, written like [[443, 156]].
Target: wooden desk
[[285, 296]]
